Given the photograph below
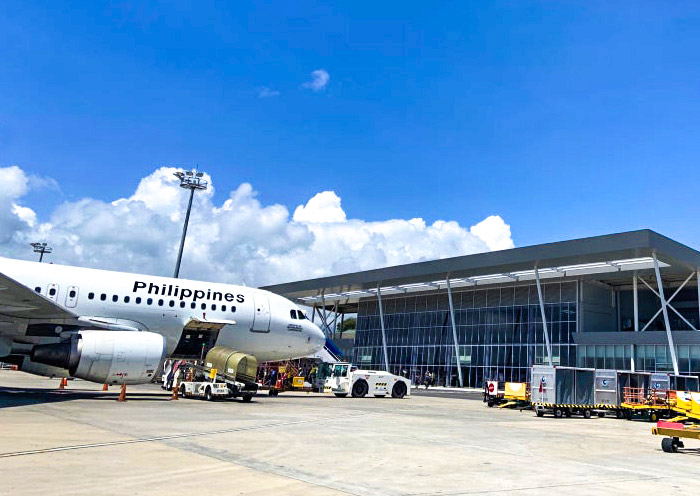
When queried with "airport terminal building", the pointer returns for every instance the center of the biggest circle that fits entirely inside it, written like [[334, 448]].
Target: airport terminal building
[[623, 301]]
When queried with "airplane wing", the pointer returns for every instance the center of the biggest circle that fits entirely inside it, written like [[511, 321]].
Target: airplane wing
[[17, 301]]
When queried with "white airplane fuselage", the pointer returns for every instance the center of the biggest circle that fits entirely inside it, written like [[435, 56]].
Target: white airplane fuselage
[[255, 321]]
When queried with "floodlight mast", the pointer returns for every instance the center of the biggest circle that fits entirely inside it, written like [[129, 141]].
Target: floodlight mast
[[193, 181], [41, 248]]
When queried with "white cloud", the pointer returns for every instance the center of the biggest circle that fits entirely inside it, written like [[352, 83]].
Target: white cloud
[[323, 207], [319, 80], [14, 219], [495, 233], [237, 241], [266, 92]]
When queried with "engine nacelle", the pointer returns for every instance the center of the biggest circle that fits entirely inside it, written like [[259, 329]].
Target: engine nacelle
[[109, 357]]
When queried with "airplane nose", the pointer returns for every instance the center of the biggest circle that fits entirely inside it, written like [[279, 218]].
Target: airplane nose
[[317, 339]]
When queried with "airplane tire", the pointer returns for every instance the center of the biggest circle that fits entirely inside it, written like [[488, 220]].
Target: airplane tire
[[360, 389], [399, 390]]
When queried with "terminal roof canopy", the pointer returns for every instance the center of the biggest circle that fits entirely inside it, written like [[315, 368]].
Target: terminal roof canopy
[[608, 258]]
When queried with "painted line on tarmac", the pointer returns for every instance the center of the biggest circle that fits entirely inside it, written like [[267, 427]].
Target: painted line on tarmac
[[172, 436]]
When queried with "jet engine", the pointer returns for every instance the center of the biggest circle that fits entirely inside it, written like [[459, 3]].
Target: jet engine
[[110, 357]]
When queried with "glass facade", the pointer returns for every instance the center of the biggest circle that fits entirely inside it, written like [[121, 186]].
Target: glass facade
[[647, 357], [499, 331]]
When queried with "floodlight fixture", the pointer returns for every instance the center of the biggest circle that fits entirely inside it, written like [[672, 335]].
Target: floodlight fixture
[[41, 248]]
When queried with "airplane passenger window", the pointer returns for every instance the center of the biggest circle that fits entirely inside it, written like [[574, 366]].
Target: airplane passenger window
[[103, 297], [172, 303], [213, 307], [52, 291], [204, 306], [91, 296], [115, 298], [160, 303], [37, 289], [223, 308], [138, 300], [72, 293], [149, 301], [193, 305], [182, 304], [233, 309], [126, 299], [293, 314]]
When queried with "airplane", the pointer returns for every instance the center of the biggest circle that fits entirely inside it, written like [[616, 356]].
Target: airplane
[[116, 327]]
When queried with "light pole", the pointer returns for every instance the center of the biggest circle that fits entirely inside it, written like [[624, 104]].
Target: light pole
[[41, 248], [193, 181]]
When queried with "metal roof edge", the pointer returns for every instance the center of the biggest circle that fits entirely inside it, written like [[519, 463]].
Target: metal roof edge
[[639, 243]]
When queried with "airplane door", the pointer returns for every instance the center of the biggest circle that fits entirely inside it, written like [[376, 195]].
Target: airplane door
[[261, 321], [72, 296], [52, 292]]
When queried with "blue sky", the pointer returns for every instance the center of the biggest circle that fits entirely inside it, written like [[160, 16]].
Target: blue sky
[[567, 119]]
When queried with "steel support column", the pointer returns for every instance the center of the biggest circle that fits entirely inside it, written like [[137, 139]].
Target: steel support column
[[324, 319], [667, 323], [635, 301], [335, 319], [454, 333], [381, 319], [544, 318]]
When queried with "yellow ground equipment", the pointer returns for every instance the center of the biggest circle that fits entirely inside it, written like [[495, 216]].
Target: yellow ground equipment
[[646, 404], [515, 395], [673, 432], [686, 403]]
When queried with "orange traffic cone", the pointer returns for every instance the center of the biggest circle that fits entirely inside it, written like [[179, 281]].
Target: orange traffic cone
[[122, 393], [63, 383], [105, 387], [175, 393]]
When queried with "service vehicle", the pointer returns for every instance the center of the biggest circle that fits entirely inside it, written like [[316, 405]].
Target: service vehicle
[[226, 373], [346, 379], [208, 390]]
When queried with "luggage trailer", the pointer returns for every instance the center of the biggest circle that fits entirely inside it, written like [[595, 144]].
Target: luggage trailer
[[650, 396], [563, 391]]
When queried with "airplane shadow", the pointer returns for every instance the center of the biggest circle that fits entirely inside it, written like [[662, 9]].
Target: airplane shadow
[[13, 397]]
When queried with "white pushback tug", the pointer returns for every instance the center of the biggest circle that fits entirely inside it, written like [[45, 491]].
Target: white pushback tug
[[346, 379]]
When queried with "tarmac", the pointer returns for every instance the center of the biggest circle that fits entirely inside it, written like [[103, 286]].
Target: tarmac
[[81, 441]]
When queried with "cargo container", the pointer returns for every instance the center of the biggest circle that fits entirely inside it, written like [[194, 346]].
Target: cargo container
[[563, 391]]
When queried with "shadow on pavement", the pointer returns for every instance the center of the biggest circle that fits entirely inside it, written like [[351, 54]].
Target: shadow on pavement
[[13, 397]]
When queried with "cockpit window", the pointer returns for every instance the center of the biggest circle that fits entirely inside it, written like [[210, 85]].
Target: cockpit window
[[301, 315], [293, 314]]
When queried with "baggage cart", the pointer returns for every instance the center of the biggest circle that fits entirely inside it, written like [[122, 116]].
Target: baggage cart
[[563, 391]]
